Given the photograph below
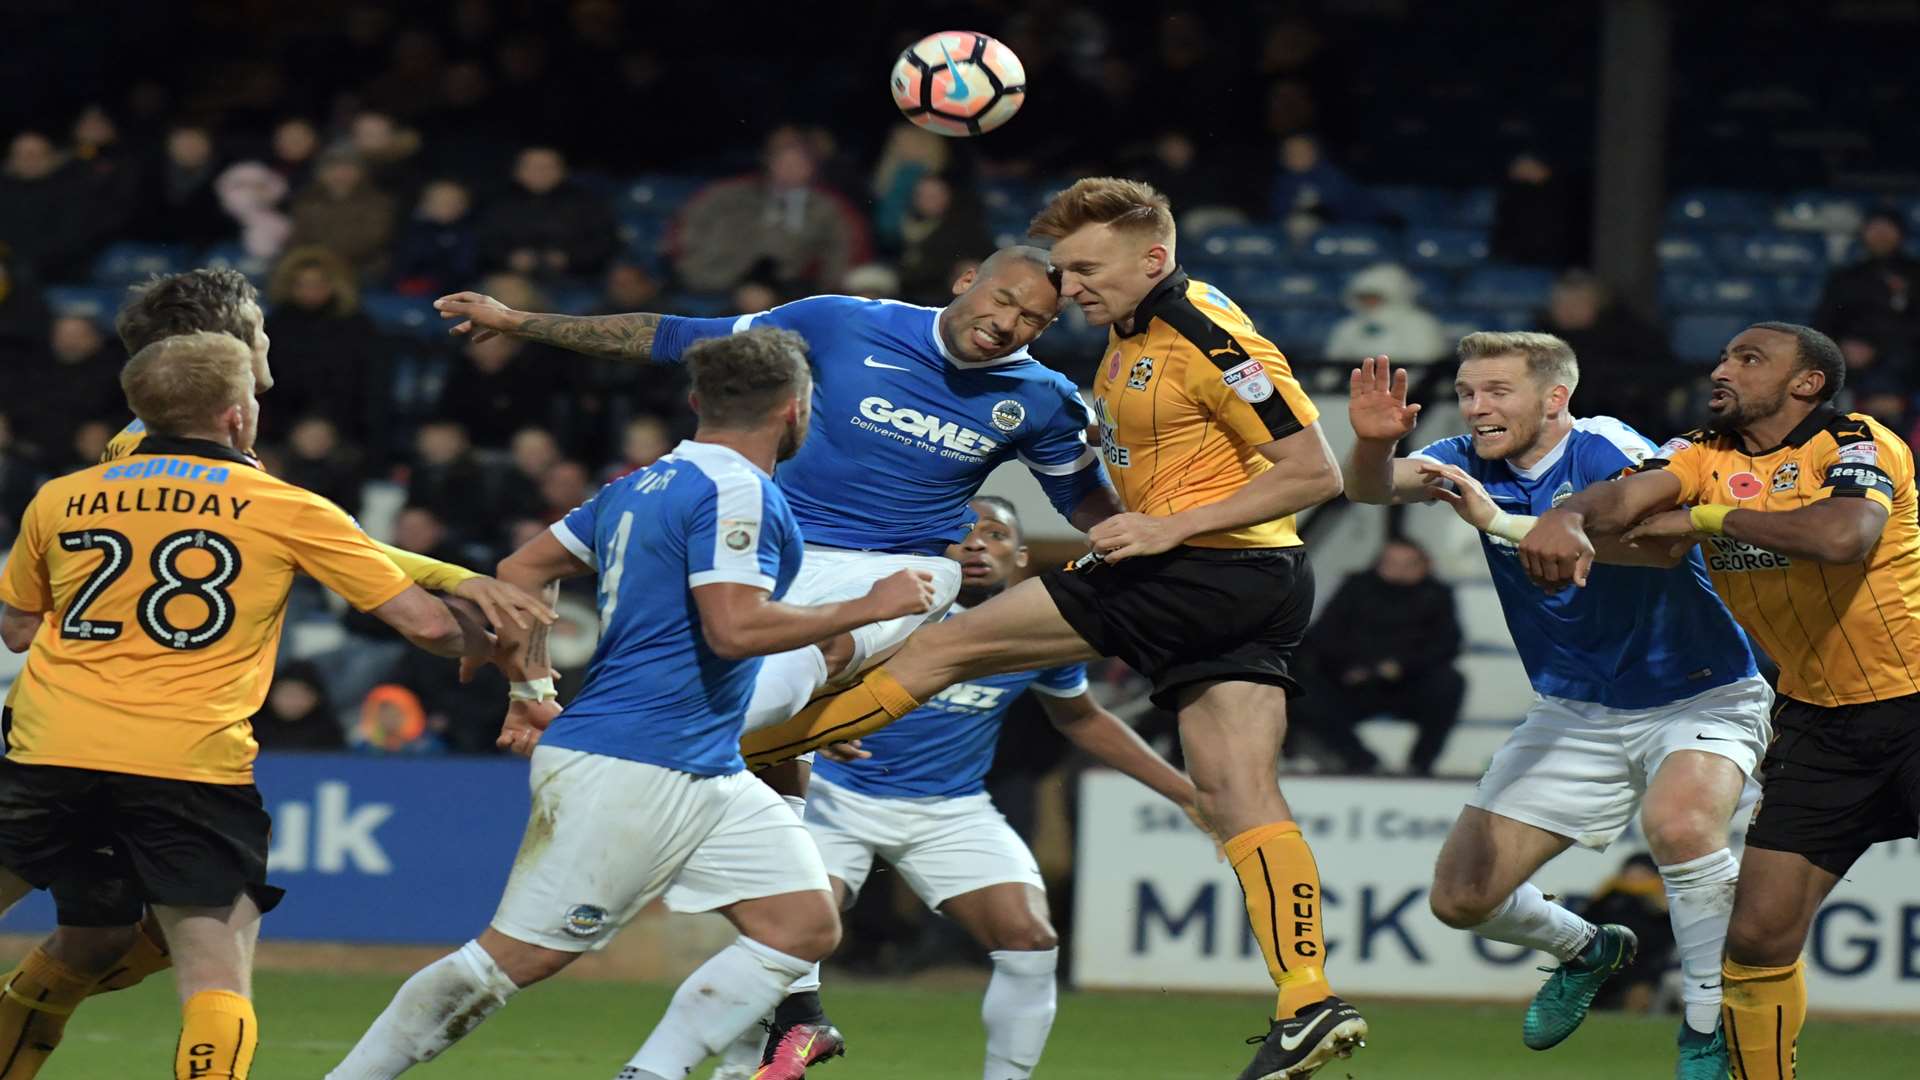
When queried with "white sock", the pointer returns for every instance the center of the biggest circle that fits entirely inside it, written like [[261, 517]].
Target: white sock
[[787, 681], [1018, 1011], [740, 984], [1529, 918], [1699, 903], [442, 1002], [743, 1054]]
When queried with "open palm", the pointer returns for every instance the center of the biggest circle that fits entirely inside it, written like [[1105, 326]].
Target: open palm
[[1377, 401]]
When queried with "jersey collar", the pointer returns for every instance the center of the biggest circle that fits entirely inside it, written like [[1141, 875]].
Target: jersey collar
[[940, 346], [1173, 286], [1539, 468], [206, 448], [694, 450], [1816, 422]]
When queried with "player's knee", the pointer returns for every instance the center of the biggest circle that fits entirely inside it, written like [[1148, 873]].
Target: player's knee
[[1459, 907], [91, 950], [1680, 834], [812, 937], [1031, 935]]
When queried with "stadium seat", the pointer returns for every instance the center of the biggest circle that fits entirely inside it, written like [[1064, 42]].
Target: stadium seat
[[1798, 294], [97, 302], [1436, 287], [1474, 208], [1349, 246], [1244, 243], [1017, 197], [233, 256], [1688, 292], [1297, 330], [1688, 252], [1821, 211], [1445, 249], [1270, 286], [408, 316], [643, 234], [1417, 206], [1718, 208], [1497, 288], [661, 193], [126, 263], [1772, 253], [1698, 338]]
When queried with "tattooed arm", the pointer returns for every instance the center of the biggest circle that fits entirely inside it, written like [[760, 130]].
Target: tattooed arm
[[618, 337]]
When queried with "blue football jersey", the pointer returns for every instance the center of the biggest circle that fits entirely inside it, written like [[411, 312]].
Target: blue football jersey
[[654, 691], [945, 747], [1634, 637], [903, 432]]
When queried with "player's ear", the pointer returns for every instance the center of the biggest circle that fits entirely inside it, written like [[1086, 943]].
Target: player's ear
[[1020, 557], [965, 281], [693, 402], [1158, 260]]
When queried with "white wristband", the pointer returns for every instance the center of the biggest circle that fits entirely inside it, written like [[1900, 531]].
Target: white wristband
[[532, 690], [1514, 527]]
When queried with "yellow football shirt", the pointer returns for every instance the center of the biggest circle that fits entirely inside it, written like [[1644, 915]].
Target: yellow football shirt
[[1842, 634], [1185, 399], [163, 578]]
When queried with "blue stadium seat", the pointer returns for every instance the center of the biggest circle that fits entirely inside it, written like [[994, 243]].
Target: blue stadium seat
[[1302, 330], [1698, 338], [1417, 205], [97, 302], [1011, 196], [1349, 246], [1718, 208], [1445, 249], [643, 235], [1773, 253], [1798, 294], [408, 316], [661, 193], [126, 263], [1686, 252], [1459, 322], [1688, 292], [233, 256], [1244, 243], [1505, 288], [1261, 286], [1475, 207], [1819, 209]]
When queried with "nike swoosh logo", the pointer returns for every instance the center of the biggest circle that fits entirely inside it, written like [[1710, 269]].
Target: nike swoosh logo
[[871, 362], [1709, 986], [1713, 738], [960, 91], [807, 1049], [1290, 1044]]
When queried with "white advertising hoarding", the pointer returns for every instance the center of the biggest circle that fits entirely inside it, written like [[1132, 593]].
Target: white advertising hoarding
[[1155, 908]]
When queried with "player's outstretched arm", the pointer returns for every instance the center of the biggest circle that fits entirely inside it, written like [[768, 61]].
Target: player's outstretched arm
[[1455, 487], [18, 627], [1378, 410], [1832, 530], [432, 625], [1112, 743], [1559, 549], [618, 337], [740, 621], [500, 602], [1304, 474]]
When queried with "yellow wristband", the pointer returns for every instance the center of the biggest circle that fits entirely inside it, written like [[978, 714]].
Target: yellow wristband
[[1710, 519]]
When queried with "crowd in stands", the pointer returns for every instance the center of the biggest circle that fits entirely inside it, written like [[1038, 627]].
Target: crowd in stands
[[358, 164]]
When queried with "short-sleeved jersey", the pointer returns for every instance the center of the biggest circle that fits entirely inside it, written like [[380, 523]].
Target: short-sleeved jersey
[[1635, 637], [904, 433], [1841, 633], [944, 748], [654, 691], [164, 580], [1185, 399]]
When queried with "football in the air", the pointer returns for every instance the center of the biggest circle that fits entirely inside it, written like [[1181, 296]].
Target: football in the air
[[959, 82]]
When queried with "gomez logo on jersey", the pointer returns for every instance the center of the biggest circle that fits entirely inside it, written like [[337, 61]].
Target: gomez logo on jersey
[[933, 433]]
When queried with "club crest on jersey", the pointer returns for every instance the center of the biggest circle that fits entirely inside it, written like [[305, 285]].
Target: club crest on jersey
[[1250, 381], [1744, 485], [1141, 374], [584, 921], [1786, 477], [1009, 414], [1563, 492]]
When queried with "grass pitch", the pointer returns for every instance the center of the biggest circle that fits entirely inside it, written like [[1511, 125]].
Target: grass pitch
[[574, 1029]]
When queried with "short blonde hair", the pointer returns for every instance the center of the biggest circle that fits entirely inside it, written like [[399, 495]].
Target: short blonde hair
[[1549, 359], [179, 384], [1130, 205]]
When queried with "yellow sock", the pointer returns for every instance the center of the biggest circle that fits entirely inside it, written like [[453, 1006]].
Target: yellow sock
[[1282, 886], [861, 709], [147, 956], [40, 994], [218, 1034], [1764, 1009]]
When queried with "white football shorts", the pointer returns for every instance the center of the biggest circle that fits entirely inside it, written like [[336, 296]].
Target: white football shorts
[[943, 847]]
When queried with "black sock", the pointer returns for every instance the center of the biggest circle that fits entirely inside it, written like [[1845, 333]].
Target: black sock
[[801, 1008]]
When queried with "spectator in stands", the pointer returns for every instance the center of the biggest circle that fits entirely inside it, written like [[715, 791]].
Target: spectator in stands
[[629, 287], [295, 142], [372, 649], [781, 216], [251, 193], [910, 155], [109, 172], [392, 721], [549, 226], [41, 223], [20, 477], [645, 440], [1872, 308], [183, 208], [1536, 217], [565, 485], [1204, 195], [411, 80], [1387, 320], [439, 251], [1384, 646], [940, 230], [447, 479], [390, 152], [493, 391], [317, 460], [23, 317], [327, 352], [873, 281], [343, 212], [1639, 376], [1312, 191], [532, 452], [1888, 400], [75, 380], [298, 715], [1635, 898]]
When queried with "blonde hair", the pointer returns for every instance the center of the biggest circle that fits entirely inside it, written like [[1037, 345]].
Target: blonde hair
[[1130, 205], [178, 385], [1549, 360]]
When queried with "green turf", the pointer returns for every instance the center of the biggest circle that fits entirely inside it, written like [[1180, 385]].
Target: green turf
[[576, 1029]]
